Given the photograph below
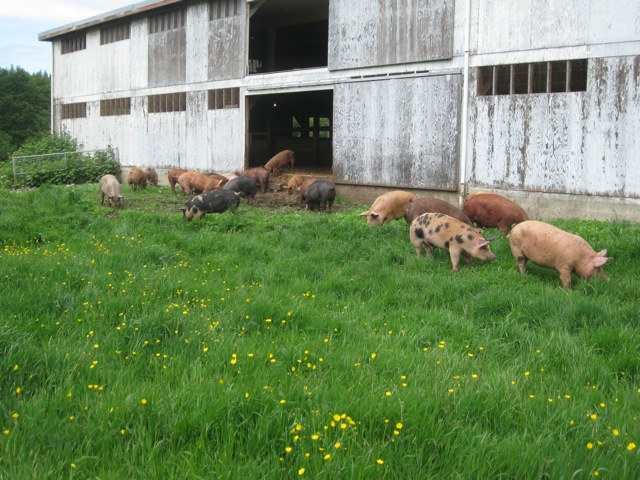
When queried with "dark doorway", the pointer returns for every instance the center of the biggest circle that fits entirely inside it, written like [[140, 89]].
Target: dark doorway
[[300, 121], [288, 35]]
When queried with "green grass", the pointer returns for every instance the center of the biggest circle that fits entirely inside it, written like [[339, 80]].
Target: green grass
[[258, 343]]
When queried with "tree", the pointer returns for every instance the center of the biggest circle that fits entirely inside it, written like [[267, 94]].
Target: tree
[[25, 106]]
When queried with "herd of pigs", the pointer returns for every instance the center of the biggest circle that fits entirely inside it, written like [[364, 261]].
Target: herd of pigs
[[433, 223]]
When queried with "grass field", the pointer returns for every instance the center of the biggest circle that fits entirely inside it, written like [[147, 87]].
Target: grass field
[[266, 343]]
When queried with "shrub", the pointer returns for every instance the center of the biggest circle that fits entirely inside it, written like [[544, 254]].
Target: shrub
[[68, 166]]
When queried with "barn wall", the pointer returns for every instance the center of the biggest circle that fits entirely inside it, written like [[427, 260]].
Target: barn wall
[[531, 26], [399, 132], [577, 142], [387, 32]]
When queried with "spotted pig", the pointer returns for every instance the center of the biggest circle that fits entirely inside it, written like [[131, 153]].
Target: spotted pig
[[437, 230]]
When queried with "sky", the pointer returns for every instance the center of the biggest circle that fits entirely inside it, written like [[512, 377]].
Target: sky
[[22, 20]]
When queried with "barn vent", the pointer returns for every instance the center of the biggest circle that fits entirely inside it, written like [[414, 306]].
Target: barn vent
[[169, 102], [528, 78], [115, 33], [224, 98], [74, 43], [115, 106], [73, 110]]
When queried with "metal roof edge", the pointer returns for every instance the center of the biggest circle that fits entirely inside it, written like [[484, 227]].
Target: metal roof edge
[[110, 16]]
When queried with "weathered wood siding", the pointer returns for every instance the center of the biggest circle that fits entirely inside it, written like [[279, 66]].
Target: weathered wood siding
[[227, 42], [386, 32], [503, 26], [400, 132], [580, 143]]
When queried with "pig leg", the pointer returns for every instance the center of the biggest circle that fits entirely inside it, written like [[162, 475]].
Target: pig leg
[[455, 258], [565, 276], [101, 198]]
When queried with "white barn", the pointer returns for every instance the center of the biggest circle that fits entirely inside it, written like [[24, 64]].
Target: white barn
[[538, 100]]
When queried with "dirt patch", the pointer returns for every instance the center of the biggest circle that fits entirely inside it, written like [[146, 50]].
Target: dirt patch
[[278, 200]]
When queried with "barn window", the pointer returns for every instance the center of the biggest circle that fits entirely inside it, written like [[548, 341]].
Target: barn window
[[73, 110], [74, 43], [169, 20], [224, 98], [222, 9], [169, 102], [316, 127], [115, 33], [115, 106], [539, 77]]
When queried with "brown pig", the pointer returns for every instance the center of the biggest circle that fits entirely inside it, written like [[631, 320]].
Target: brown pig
[[491, 210], [433, 205], [389, 206], [192, 182], [260, 175], [304, 185], [294, 183], [152, 176], [215, 182], [437, 230], [110, 187], [552, 247], [279, 161], [136, 178], [173, 175]]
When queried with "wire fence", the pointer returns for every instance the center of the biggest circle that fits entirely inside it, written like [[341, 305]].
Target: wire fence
[[64, 167]]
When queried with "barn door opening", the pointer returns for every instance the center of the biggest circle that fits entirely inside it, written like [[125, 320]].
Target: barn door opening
[[299, 121]]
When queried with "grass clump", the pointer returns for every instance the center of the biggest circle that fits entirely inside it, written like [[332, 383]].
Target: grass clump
[[293, 344]]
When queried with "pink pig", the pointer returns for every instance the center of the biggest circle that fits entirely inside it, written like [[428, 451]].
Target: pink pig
[[551, 247], [389, 206]]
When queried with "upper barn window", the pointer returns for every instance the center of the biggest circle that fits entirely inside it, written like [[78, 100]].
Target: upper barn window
[[115, 33], [74, 43], [539, 77], [222, 9], [165, 21]]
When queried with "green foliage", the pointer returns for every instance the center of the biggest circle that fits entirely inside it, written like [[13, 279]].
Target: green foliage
[[61, 168], [25, 103], [255, 344]]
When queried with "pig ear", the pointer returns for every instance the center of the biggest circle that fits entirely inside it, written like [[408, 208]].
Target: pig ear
[[484, 242], [599, 261], [490, 239], [374, 214], [363, 214], [183, 209], [602, 253]]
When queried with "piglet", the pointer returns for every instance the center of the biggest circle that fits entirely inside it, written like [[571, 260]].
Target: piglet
[[389, 206], [320, 195], [491, 210], [437, 230], [136, 178], [280, 161], [110, 187], [213, 201], [433, 205], [551, 247]]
